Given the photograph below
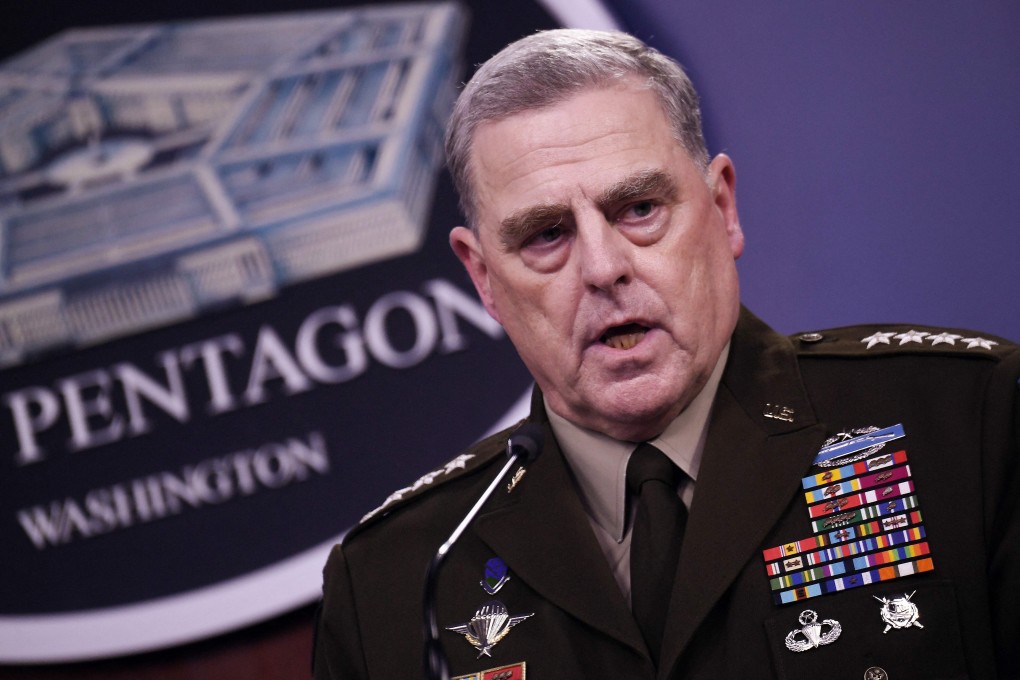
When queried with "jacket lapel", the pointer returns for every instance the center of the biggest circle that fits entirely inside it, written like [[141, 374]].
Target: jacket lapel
[[750, 470], [542, 532]]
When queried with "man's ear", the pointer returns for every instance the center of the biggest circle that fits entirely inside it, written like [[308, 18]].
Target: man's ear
[[722, 178], [468, 250]]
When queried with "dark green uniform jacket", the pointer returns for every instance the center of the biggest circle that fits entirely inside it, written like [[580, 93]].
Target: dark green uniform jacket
[[955, 396]]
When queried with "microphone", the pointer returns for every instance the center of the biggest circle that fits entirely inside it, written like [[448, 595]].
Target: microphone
[[522, 447]]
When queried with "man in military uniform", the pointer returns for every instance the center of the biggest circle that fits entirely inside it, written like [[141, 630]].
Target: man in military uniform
[[712, 500]]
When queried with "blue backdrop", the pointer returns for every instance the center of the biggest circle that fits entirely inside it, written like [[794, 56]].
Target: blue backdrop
[[876, 147]]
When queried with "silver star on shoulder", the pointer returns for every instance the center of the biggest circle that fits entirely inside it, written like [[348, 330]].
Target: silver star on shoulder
[[878, 338], [984, 343], [910, 336], [944, 338], [458, 462], [427, 478]]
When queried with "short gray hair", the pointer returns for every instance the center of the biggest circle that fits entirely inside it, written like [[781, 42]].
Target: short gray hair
[[548, 67]]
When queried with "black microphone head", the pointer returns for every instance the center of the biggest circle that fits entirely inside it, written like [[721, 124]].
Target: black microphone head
[[526, 442]]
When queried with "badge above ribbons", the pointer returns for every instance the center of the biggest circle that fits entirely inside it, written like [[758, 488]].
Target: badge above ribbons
[[864, 510]]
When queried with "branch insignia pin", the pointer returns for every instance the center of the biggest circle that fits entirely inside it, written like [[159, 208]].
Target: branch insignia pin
[[899, 612]]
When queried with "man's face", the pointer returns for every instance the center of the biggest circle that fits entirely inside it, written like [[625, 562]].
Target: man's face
[[607, 256]]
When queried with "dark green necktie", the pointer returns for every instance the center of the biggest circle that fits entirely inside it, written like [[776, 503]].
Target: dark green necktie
[[656, 536]]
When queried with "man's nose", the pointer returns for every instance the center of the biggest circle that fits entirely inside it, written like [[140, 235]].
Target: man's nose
[[603, 253]]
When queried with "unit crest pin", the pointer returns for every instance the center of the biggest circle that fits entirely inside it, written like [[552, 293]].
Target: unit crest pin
[[810, 635], [496, 575], [899, 612]]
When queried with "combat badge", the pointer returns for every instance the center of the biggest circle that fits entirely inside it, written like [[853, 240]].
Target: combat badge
[[810, 635], [488, 626], [853, 445], [899, 612]]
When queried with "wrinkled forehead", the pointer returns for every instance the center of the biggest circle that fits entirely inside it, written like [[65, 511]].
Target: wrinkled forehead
[[595, 136], [541, 122], [621, 85]]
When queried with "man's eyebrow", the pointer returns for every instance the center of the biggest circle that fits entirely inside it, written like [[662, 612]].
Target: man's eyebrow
[[644, 184], [519, 225]]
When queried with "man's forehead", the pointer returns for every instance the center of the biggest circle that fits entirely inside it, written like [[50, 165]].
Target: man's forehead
[[586, 145], [587, 112]]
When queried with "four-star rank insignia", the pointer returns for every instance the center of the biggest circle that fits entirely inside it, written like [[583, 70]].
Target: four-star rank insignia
[[921, 337]]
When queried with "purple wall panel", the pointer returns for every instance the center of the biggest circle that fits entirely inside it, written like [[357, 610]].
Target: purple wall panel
[[876, 148]]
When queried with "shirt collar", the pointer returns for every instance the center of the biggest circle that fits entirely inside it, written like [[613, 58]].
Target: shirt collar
[[599, 462]]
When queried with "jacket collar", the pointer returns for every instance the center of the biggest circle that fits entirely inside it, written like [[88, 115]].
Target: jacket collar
[[762, 438]]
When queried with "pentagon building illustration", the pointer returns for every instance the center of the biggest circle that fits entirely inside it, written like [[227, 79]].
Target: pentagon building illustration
[[150, 173]]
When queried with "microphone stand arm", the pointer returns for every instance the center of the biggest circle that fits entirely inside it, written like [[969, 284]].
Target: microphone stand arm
[[436, 667]]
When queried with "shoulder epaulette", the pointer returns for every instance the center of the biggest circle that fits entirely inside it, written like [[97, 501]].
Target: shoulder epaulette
[[891, 338], [475, 458]]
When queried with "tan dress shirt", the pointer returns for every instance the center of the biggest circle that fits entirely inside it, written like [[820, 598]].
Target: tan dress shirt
[[599, 467]]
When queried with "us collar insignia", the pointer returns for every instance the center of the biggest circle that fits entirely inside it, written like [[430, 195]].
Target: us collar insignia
[[777, 412], [899, 612], [496, 575], [488, 626]]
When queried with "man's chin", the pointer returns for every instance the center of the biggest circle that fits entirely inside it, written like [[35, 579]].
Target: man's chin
[[633, 421]]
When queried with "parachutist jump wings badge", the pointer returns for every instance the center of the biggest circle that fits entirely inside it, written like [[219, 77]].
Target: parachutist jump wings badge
[[488, 626], [811, 634]]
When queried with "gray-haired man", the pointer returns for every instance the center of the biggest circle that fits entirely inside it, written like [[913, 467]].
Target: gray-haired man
[[809, 479]]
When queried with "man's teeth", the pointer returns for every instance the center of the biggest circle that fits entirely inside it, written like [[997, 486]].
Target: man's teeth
[[623, 340]]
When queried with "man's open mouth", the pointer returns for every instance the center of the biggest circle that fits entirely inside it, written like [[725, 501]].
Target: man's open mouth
[[623, 337]]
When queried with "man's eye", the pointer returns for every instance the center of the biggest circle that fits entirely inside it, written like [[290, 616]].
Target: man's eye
[[551, 234], [548, 235], [642, 209]]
